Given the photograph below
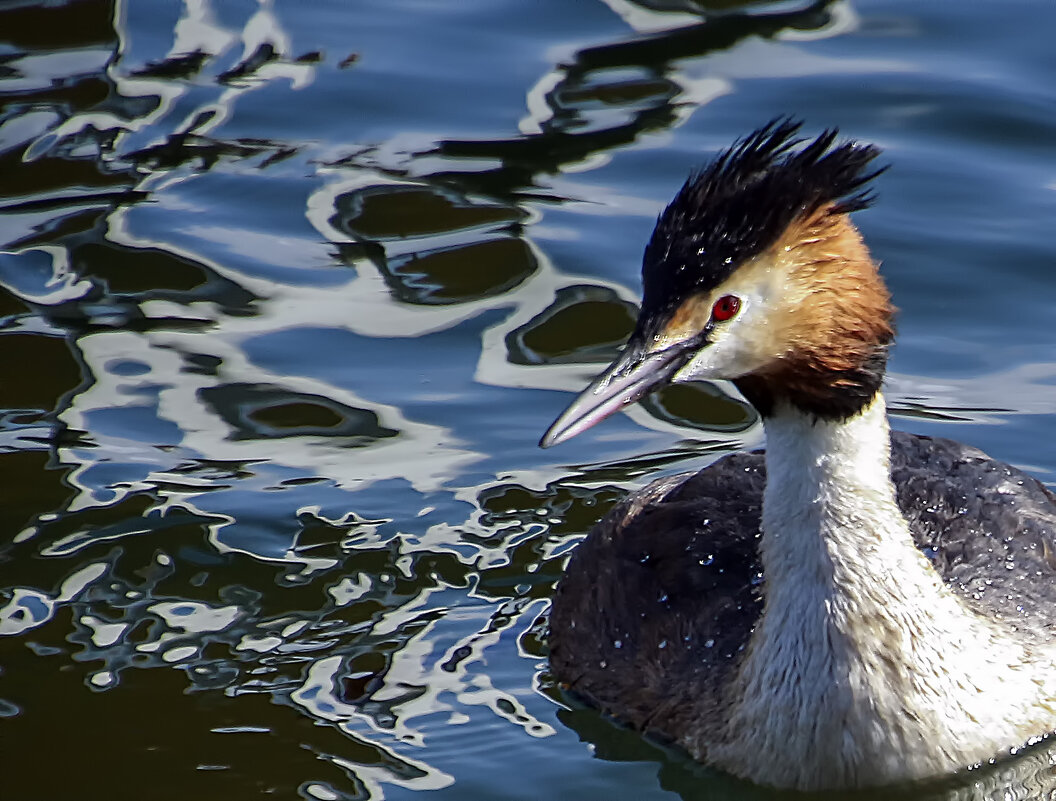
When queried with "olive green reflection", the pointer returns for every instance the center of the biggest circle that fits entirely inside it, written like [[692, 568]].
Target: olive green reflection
[[257, 411], [584, 324], [617, 93], [389, 212], [701, 406], [38, 371], [461, 274]]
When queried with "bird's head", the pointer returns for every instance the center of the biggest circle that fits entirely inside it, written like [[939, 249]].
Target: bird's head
[[755, 273]]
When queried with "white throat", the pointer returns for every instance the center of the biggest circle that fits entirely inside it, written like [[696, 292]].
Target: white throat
[[865, 669]]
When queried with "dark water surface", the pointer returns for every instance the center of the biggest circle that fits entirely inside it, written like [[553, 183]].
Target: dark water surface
[[289, 290]]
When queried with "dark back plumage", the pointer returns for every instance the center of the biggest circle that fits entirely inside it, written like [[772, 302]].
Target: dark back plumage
[[740, 204], [676, 574]]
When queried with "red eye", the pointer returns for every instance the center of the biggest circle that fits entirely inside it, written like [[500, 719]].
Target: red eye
[[725, 307]]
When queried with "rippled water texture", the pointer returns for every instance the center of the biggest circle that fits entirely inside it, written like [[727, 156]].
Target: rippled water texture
[[289, 290]]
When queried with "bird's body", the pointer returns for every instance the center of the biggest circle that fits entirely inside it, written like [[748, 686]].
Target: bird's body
[[854, 608]]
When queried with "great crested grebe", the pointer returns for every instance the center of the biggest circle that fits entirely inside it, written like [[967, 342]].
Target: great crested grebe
[[855, 608]]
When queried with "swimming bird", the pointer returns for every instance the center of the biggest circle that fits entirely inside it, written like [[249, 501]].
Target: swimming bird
[[854, 607]]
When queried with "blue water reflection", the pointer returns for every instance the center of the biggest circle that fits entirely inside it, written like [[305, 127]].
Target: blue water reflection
[[289, 291]]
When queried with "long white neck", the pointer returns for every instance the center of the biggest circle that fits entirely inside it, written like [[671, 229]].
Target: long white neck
[[864, 668]]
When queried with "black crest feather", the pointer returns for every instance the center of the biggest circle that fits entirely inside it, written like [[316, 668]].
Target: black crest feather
[[740, 204]]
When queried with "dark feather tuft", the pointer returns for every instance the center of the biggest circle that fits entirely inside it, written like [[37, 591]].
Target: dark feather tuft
[[741, 203]]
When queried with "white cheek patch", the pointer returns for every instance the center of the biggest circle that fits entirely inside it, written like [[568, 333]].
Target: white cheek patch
[[733, 350], [723, 358]]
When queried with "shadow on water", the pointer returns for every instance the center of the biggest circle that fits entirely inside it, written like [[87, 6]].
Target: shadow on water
[[268, 526]]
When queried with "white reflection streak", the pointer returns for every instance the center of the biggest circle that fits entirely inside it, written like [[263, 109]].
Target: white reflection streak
[[264, 29], [198, 30], [30, 608], [42, 286], [423, 454], [468, 688], [417, 665], [194, 617], [316, 695], [665, 17], [414, 665], [478, 690], [104, 634]]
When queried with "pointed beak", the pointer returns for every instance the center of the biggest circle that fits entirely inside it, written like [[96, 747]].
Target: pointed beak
[[632, 376]]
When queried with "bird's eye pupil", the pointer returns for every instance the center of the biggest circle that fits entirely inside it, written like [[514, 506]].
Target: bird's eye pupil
[[725, 307]]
